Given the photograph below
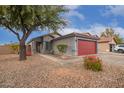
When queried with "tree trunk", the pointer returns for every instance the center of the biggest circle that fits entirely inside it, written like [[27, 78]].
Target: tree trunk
[[22, 51]]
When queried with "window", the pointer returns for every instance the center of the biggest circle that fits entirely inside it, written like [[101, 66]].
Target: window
[[121, 46]]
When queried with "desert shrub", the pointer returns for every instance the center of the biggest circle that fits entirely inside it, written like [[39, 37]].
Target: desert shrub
[[93, 63], [15, 48], [62, 48]]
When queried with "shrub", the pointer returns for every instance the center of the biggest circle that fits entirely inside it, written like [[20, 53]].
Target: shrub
[[62, 48], [93, 63], [15, 48]]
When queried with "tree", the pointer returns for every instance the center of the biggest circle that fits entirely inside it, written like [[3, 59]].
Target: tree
[[118, 39], [109, 32], [23, 20]]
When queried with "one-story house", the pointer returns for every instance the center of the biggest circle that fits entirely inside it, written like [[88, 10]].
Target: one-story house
[[77, 43], [106, 44]]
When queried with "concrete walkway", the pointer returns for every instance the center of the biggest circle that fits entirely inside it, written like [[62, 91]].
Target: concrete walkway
[[54, 59], [61, 61]]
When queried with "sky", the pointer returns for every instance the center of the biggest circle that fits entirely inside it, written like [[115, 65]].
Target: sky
[[93, 19]]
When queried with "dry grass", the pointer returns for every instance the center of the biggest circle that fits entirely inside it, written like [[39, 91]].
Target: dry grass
[[40, 72]]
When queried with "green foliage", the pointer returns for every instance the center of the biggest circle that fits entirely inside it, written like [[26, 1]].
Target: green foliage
[[62, 48], [32, 17], [29, 18], [109, 32], [118, 39], [93, 63], [15, 48]]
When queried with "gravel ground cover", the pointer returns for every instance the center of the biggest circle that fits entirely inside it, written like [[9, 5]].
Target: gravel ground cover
[[39, 72]]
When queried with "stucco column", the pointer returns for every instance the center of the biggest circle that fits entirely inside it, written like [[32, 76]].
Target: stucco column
[[96, 47], [76, 45], [44, 46], [33, 47]]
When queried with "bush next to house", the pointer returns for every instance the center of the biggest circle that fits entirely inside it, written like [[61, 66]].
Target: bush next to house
[[62, 48], [93, 63], [15, 48]]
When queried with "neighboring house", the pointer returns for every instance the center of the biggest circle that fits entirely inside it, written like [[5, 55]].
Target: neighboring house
[[106, 44], [77, 43]]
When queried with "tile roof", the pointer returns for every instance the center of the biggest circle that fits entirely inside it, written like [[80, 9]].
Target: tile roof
[[53, 35], [105, 39], [74, 34], [82, 35]]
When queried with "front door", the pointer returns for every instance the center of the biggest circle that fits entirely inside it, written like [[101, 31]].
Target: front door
[[38, 47], [111, 47]]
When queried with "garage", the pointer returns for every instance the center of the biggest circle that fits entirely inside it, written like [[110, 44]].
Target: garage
[[86, 47]]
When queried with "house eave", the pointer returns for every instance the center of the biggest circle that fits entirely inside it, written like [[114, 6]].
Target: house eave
[[76, 35]]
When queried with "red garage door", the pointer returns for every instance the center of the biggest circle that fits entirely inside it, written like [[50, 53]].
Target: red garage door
[[86, 47]]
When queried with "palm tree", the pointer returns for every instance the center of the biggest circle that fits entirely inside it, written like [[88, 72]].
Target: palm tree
[[26, 19]]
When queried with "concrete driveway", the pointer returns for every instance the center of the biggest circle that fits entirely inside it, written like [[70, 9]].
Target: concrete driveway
[[113, 58], [116, 59]]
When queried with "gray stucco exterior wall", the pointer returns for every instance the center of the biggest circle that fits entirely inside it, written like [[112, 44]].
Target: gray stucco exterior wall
[[71, 46], [33, 47]]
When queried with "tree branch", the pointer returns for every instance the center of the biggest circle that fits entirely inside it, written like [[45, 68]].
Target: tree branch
[[27, 34], [13, 32], [26, 31], [5, 23]]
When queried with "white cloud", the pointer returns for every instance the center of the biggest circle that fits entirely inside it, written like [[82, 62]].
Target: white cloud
[[72, 7], [76, 14], [98, 28], [69, 30], [114, 10], [114, 23], [119, 30], [94, 29], [73, 12]]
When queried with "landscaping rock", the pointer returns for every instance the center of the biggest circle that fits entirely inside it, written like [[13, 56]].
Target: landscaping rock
[[39, 72]]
